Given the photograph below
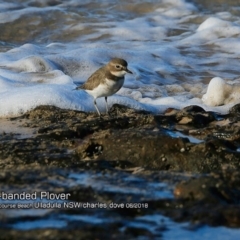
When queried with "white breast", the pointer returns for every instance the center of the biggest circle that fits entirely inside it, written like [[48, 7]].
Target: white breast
[[107, 89]]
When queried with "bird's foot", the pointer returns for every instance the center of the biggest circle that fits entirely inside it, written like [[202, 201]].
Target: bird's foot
[[109, 115]]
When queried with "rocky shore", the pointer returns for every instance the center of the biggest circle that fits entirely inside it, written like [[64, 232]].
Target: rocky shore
[[195, 155]]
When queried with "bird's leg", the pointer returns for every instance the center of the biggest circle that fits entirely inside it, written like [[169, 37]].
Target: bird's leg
[[95, 105], [106, 105]]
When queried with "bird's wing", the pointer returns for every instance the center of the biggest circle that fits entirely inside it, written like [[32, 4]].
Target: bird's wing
[[96, 77]]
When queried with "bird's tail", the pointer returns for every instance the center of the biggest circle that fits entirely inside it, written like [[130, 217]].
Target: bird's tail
[[77, 88]]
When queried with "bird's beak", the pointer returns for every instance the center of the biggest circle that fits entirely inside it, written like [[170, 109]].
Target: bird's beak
[[128, 71]]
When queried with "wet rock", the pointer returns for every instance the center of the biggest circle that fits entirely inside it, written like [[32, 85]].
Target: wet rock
[[150, 150], [195, 116], [196, 153], [66, 137], [157, 150], [235, 110], [218, 192], [206, 189]]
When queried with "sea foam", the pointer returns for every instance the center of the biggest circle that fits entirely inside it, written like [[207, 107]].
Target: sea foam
[[173, 52]]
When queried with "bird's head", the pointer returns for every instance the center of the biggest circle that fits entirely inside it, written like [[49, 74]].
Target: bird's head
[[118, 67]]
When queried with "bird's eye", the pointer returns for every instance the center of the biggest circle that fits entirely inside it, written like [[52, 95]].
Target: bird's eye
[[118, 66]]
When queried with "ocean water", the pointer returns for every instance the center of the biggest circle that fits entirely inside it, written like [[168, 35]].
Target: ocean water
[[173, 47]]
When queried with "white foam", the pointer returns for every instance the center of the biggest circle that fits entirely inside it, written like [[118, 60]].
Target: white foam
[[170, 69], [33, 81], [10, 16], [177, 8], [221, 93], [212, 29]]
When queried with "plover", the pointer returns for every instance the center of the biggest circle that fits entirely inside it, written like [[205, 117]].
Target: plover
[[106, 81]]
